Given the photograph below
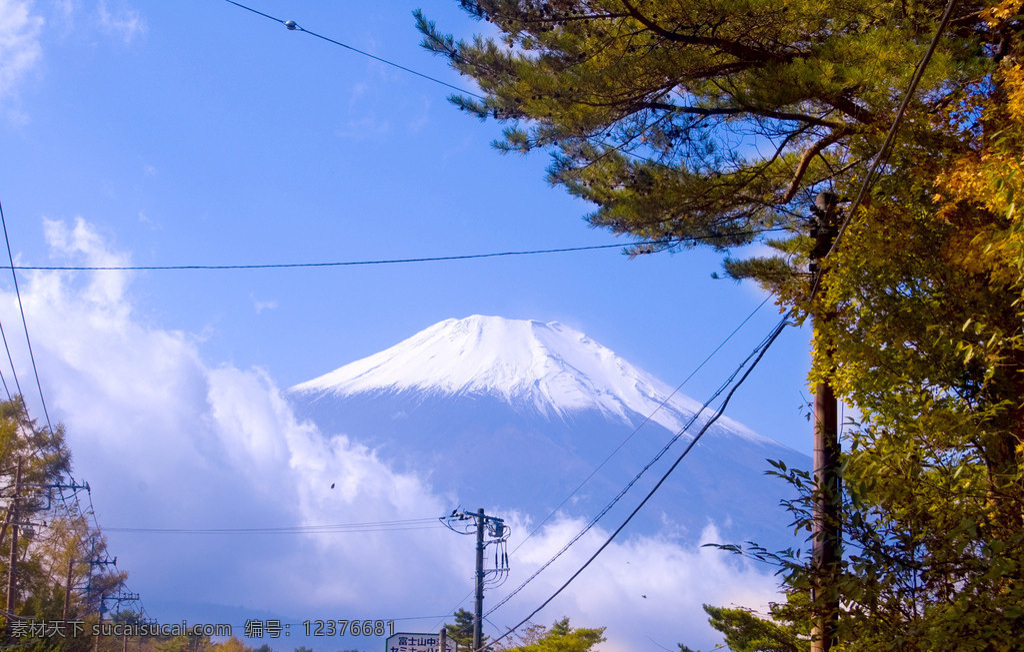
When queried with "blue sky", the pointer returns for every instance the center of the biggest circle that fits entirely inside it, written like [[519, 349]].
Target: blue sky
[[199, 133]]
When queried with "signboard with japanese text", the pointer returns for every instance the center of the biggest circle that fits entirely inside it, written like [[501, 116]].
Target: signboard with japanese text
[[405, 642]]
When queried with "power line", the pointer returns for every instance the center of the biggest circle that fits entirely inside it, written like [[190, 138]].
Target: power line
[[10, 359], [647, 419], [293, 26], [664, 449], [35, 370], [383, 261], [609, 457], [763, 348], [24, 323]]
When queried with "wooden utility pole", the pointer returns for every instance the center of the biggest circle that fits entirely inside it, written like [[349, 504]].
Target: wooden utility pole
[[827, 547], [67, 589], [478, 605], [96, 639], [7, 522], [12, 574]]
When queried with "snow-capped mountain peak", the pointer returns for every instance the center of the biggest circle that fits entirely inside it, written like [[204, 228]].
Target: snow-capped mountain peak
[[552, 367]]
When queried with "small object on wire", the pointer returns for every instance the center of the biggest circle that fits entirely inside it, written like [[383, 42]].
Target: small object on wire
[[290, 24]]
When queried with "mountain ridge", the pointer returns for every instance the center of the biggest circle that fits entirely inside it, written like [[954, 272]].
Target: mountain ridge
[[549, 366]]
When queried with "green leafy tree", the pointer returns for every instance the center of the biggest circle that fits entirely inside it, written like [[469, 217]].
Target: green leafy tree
[[715, 122], [561, 637], [747, 632]]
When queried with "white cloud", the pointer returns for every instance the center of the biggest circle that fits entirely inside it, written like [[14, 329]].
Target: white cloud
[[64, 8], [260, 306], [20, 49], [364, 128], [421, 117], [638, 587], [125, 23], [168, 440]]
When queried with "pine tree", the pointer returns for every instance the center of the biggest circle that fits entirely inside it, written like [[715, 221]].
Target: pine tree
[[717, 122], [462, 631], [710, 122]]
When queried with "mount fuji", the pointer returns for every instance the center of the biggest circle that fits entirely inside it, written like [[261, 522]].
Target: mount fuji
[[529, 416]]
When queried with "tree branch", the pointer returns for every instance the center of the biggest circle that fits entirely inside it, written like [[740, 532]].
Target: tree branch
[[805, 161], [852, 109], [765, 113], [725, 45]]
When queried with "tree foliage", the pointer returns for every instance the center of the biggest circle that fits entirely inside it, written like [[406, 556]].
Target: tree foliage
[[705, 119], [462, 631], [51, 535], [560, 637], [718, 122]]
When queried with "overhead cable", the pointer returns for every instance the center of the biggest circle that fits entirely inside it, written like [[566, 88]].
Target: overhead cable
[[24, 323], [35, 370], [292, 25], [672, 242], [760, 351], [664, 449], [646, 419], [587, 479]]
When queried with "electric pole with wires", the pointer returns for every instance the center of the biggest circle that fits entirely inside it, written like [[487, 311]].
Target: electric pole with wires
[[497, 535], [12, 575], [827, 544]]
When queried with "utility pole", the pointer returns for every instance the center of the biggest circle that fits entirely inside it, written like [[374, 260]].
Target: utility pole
[[118, 597], [67, 589], [12, 575], [478, 604], [498, 534], [96, 639], [88, 587], [827, 546]]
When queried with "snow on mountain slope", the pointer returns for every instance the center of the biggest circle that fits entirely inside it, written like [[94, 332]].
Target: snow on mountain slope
[[524, 415], [550, 366]]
